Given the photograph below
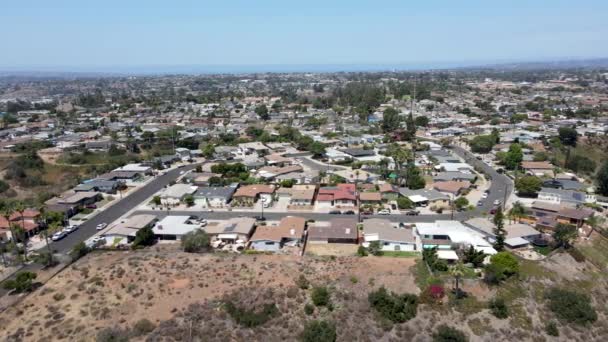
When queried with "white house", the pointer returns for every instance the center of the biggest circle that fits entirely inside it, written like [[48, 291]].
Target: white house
[[390, 236]]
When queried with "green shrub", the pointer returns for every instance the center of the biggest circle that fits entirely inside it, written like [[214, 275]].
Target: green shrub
[[302, 282], [394, 307], [196, 241], [58, 296], [251, 318], [571, 307], [143, 327], [446, 333], [23, 282], [309, 309], [112, 335], [361, 251], [551, 329], [320, 296], [318, 331], [498, 307]]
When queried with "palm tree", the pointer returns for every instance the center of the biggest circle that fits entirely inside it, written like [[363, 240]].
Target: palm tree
[[21, 208], [517, 211], [8, 209], [457, 271]]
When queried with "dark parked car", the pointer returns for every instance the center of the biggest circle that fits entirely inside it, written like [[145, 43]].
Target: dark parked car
[[259, 218], [412, 212], [335, 212], [349, 212], [91, 206]]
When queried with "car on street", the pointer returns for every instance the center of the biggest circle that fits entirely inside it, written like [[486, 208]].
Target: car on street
[[335, 212], [497, 203], [393, 206], [349, 212], [203, 222], [101, 226], [259, 218], [484, 195], [91, 206], [412, 212], [71, 228], [480, 203], [384, 212], [59, 235]]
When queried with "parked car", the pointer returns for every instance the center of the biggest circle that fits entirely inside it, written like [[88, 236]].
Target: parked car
[[335, 212], [480, 203], [497, 202], [101, 226], [203, 222], [349, 212], [91, 206], [384, 212], [59, 235], [393, 206], [484, 195], [71, 228], [412, 212], [259, 218], [493, 210]]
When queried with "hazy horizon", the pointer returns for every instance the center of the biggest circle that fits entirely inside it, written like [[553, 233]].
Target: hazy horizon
[[70, 35]]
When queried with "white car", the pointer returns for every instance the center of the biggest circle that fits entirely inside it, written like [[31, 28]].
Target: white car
[[484, 195], [384, 212], [71, 228], [497, 202], [59, 235], [203, 223], [101, 226]]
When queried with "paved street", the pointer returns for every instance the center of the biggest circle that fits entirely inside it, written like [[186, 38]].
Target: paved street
[[112, 213], [500, 184]]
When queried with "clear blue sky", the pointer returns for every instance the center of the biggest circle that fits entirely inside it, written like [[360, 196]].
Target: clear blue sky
[[102, 34]]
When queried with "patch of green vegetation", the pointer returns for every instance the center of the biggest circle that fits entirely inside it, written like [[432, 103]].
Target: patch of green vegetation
[[596, 252], [532, 269], [519, 318], [467, 306], [396, 254], [250, 318], [421, 274], [545, 250], [511, 290], [480, 327]]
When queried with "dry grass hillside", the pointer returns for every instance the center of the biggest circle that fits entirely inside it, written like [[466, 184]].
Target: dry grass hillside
[[162, 294]]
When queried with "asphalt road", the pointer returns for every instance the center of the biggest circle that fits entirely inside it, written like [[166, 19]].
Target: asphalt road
[[115, 211]]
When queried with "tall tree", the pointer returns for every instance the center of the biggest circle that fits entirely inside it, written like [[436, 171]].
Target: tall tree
[[262, 112], [457, 271], [601, 179], [410, 125], [390, 120], [499, 230]]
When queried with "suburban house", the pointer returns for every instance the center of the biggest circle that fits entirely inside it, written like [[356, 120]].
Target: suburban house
[[174, 227], [270, 172], [568, 197], [140, 168], [454, 188], [231, 230], [426, 197], [339, 196], [278, 160], [303, 195], [445, 235], [370, 198], [121, 176], [339, 230], [390, 236], [214, 197], [455, 176], [289, 232], [538, 168], [247, 195], [77, 200], [125, 231], [28, 221], [574, 216], [200, 178], [517, 234], [389, 191], [101, 185], [174, 194]]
